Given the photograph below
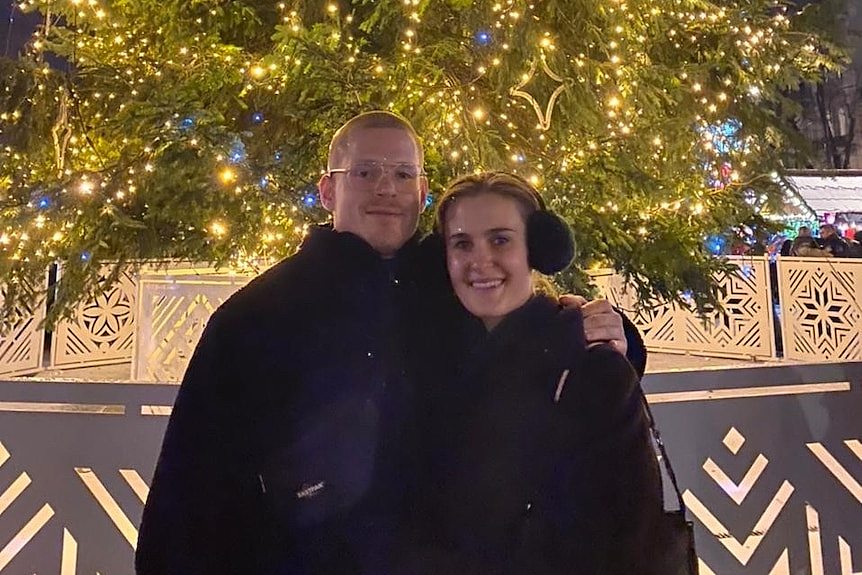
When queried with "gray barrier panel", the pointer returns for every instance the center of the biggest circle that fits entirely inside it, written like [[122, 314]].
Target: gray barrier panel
[[68, 501], [771, 465], [770, 459]]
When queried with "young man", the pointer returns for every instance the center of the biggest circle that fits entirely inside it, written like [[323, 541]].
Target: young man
[[289, 446], [803, 242], [832, 242]]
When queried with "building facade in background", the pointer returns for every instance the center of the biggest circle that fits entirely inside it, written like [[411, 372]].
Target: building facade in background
[[832, 111]]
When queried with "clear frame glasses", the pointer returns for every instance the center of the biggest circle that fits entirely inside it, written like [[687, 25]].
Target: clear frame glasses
[[368, 174]]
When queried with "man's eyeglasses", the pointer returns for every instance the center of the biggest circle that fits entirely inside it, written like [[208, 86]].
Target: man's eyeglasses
[[369, 173]]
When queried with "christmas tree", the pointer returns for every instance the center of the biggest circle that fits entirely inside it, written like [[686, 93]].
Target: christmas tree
[[144, 130]]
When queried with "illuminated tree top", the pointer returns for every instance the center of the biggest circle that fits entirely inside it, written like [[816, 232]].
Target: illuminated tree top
[[145, 130]]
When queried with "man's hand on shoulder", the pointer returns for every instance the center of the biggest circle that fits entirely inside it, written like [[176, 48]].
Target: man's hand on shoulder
[[602, 324]]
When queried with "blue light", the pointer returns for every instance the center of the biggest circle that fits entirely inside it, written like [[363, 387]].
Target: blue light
[[725, 136], [257, 118], [715, 244], [237, 152], [187, 123], [44, 203], [482, 37], [309, 200], [264, 182], [729, 128], [85, 256], [429, 199], [277, 156]]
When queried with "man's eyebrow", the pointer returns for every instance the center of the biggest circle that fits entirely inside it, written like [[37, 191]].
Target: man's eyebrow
[[498, 230]]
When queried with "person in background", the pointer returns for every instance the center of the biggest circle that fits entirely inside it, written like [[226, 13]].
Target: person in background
[[832, 242], [786, 245], [855, 250], [804, 244]]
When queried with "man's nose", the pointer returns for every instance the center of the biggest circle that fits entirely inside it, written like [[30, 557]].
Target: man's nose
[[386, 184]]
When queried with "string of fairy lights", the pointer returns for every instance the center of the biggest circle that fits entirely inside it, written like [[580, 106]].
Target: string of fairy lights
[[520, 92]]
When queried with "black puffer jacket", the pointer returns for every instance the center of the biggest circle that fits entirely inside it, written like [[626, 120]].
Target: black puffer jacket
[[289, 447], [520, 484]]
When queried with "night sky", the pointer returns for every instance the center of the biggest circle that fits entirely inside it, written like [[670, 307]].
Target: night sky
[[15, 35]]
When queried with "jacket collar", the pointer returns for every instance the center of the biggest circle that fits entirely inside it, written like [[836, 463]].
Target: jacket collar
[[347, 247], [536, 311]]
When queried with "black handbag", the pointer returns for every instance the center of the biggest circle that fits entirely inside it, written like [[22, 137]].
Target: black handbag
[[676, 555]]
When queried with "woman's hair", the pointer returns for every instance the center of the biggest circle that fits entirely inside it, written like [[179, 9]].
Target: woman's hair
[[501, 184], [496, 183]]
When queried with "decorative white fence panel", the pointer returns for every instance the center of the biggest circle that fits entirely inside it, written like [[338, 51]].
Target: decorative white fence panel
[[102, 330], [655, 322], [821, 308], [744, 328], [23, 348], [156, 318], [172, 313]]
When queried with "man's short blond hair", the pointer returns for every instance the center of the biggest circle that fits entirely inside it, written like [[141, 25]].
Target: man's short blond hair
[[365, 121]]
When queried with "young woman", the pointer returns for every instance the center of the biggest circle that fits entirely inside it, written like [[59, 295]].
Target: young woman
[[539, 458]]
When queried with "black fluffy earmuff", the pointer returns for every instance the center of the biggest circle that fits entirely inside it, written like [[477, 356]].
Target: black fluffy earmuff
[[550, 244]]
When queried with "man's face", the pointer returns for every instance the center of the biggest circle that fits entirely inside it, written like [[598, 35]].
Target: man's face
[[826, 231], [380, 196]]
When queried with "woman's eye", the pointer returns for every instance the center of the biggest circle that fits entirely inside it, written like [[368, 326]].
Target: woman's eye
[[461, 245], [500, 240]]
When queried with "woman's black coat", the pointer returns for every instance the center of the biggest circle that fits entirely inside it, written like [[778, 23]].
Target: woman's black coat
[[519, 483]]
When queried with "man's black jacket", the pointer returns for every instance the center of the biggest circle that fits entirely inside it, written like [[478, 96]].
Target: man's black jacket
[[288, 446]]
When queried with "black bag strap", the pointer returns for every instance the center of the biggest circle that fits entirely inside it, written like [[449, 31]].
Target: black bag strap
[[662, 451]]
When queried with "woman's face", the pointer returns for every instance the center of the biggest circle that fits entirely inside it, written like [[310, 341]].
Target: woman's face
[[486, 253]]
